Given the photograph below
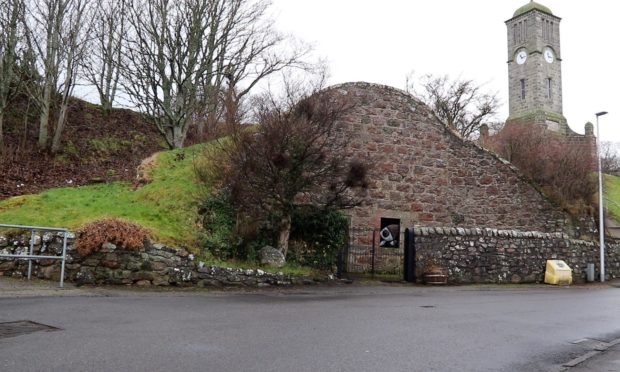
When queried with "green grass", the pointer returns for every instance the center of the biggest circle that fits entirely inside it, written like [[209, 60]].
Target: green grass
[[290, 268], [109, 145], [167, 206], [612, 195]]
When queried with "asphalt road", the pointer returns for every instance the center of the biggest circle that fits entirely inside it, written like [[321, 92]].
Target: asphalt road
[[347, 328]]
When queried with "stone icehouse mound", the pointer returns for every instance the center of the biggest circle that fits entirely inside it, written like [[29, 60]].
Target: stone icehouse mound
[[423, 174]]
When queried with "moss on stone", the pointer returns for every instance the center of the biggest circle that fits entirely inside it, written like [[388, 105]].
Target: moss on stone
[[532, 5]]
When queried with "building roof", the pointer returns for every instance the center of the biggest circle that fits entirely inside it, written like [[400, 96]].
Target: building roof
[[532, 5]]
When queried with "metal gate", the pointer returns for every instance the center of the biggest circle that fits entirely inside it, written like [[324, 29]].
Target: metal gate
[[364, 254]]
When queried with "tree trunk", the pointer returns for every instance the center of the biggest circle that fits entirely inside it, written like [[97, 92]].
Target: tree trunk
[[106, 106], [285, 233], [60, 125], [44, 117], [25, 133], [177, 143], [200, 130], [179, 133], [1, 132]]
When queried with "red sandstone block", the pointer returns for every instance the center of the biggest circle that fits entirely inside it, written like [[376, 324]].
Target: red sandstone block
[[427, 217], [417, 207], [492, 190], [486, 180], [388, 149], [389, 167]]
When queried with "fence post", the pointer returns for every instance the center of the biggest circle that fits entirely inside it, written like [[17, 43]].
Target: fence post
[[31, 252], [409, 269], [64, 257], [372, 267]]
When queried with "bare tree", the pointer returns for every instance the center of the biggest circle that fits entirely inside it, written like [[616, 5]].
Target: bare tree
[[103, 62], [44, 26], [460, 104], [75, 33], [11, 26], [183, 56], [168, 55], [58, 30], [293, 156], [610, 157], [255, 50], [29, 83]]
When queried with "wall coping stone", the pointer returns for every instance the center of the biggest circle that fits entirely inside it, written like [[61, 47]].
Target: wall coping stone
[[497, 233]]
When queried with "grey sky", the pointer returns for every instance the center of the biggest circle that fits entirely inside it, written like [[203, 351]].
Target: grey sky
[[383, 41]]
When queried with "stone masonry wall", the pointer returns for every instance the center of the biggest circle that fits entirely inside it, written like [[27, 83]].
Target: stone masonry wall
[[469, 256], [154, 265], [507, 256], [424, 174]]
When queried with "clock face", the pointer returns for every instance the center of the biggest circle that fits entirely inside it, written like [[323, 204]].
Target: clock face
[[521, 56], [548, 54]]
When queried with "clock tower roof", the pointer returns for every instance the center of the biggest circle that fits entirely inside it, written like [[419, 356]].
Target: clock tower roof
[[532, 5]]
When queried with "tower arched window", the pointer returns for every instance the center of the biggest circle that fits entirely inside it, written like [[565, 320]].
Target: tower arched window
[[551, 32], [547, 30]]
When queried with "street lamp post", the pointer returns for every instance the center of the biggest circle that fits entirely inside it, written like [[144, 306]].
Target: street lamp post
[[601, 216]]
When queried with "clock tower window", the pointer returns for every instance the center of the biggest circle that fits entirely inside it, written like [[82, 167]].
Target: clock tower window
[[519, 31], [547, 30], [549, 88], [522, 88]]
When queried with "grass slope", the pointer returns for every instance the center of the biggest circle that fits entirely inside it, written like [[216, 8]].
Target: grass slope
[[166, 206], [612, 195]]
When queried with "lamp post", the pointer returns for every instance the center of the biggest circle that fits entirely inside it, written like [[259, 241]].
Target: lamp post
[[601, 216]]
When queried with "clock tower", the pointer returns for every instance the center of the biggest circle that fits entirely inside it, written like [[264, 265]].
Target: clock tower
[[535, 68]]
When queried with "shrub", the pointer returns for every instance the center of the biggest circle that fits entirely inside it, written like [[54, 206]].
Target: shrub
[[218, 218], [126, 235], [563, 170], [316, 236], [293, 156]]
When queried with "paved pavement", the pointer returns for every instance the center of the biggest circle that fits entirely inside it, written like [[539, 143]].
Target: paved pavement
[[605, 357], [11, 287], [344, 328]]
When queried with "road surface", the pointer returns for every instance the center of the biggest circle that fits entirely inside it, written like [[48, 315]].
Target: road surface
[[343, 328]]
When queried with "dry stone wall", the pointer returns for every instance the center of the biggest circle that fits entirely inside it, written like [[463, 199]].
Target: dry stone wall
[[154, 265], [424, 174], [469, 255], [507, 256]]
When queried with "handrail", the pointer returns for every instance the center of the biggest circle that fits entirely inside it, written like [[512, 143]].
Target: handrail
[[31, 256], [41, 228]]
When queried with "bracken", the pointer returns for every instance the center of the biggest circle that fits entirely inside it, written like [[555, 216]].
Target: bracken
[[123, 234]]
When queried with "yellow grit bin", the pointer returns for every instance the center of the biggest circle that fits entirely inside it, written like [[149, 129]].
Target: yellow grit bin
[[557, 272]]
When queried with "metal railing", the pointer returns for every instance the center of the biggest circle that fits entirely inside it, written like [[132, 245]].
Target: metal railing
[[31, 256]]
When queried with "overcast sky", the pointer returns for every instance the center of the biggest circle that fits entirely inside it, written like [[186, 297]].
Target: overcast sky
[[381, 41]]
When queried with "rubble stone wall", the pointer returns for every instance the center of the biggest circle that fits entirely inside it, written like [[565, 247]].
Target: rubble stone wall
[[508, 256], [155, 264], [469, 255]]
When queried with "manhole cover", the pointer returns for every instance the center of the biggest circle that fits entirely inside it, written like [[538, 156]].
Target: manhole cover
[[23, 327]]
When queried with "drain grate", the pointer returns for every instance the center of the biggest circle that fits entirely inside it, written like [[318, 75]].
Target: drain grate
[[428, 306], [23, 327]]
